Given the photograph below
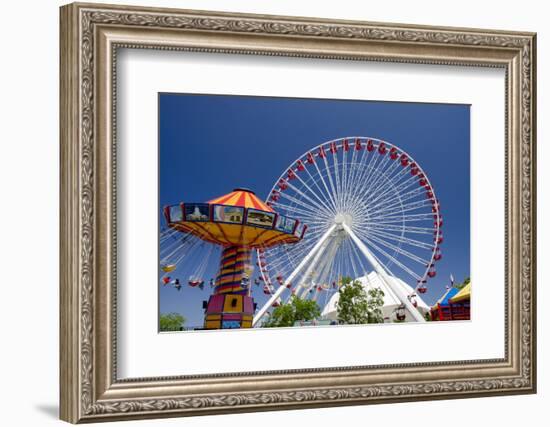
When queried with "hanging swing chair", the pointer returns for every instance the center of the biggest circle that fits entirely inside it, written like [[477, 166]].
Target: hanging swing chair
[[168, 268]]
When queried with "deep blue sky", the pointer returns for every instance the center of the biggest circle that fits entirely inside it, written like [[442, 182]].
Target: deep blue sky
[[211, 144]]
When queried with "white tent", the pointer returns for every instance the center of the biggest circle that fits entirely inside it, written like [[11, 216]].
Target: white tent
[[391, 302]]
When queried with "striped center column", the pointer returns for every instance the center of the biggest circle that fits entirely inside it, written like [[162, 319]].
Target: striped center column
[[230, 305], [232, 268]]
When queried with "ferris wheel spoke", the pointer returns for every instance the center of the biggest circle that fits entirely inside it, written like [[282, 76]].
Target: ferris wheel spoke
[[406, 218], [295, 256], [408, 229], [376, 188], [411, 207], [369, 167], [331, 183], [401, 187], [391, 258], [391, 202], [372, 165], [293, 210], [352, 180], [405, 192], [328, 192], [337, 178], [312, 209], [279, 269], [398, 185], [392, 228], [388, 173], [324, 194], [285, 250], [362, 167], [305, 196], [397, 249], [344, 167], [373, 185], [347, 179], [346, 176], [323, 201], [364, 190], [287, 261], [393, 194], [358, 178], [412, 201]]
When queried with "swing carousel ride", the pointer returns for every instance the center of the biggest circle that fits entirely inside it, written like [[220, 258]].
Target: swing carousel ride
[[237, 222], [371, 214]]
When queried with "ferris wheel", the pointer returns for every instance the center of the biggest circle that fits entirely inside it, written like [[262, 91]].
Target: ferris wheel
[[369, 206]]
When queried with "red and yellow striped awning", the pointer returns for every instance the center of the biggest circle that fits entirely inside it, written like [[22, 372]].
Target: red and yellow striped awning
[[243, 198]]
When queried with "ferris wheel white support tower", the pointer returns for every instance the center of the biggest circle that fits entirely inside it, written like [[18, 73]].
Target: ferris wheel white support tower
[[302, 290], [300, 266], [388, 281]]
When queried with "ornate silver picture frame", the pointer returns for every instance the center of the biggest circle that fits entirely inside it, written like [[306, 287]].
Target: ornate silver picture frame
[[91, 37]]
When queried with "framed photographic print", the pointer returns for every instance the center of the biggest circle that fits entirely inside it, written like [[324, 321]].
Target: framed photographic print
[[265, 212]]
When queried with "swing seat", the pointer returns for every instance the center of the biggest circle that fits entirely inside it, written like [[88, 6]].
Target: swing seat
[[168, 268]]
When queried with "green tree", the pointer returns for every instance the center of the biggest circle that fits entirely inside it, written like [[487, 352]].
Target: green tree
[[464, 283], [296, 310], [358, 306], [171, 322]]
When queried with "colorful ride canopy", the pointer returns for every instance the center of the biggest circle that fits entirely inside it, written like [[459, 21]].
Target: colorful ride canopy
[[444, 300], [237, 218], [463, 295]]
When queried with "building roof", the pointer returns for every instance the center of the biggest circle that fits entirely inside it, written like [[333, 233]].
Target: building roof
[[444, 300]]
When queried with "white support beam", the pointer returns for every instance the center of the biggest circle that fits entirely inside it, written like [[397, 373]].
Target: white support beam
[[290, 278], [388, 281], [303, 289], [331, 252]]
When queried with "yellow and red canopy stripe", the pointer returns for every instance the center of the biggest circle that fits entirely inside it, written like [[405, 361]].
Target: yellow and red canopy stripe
[[242, 198]]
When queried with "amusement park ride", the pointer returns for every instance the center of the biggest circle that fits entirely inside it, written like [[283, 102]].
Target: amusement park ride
[[368, 206], [238, 222]]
